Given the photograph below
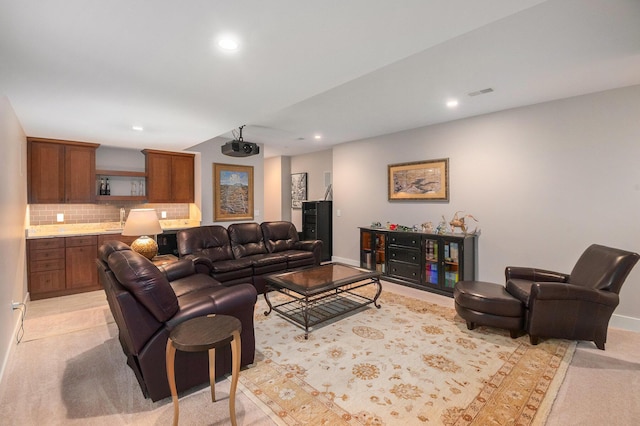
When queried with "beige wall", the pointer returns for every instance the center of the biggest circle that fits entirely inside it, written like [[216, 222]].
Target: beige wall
[[545, 181], [315, 165], [277, 195], [13, 199]]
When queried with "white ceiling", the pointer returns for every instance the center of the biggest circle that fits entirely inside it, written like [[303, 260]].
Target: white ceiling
[[88, 70]]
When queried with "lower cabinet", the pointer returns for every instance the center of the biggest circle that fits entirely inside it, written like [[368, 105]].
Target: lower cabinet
[[426, 261], [46, 265], [62, 265], [80, 261]]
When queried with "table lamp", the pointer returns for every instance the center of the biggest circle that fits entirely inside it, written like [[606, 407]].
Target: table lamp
[[142, 223]]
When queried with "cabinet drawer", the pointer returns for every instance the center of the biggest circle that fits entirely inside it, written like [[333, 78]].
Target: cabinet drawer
[[46, 243], [46, 265], [404, 255], [87, 240], [405, 271], [38, 255], [406, 240], [43, 282]]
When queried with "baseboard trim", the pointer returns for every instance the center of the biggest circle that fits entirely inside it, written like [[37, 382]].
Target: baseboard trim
[[625, 323], [12, 345]]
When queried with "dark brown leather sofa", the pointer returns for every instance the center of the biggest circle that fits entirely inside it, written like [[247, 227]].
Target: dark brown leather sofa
[[147, 302], [247, 250]]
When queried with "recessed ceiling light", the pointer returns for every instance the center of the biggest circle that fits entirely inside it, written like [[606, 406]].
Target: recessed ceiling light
[[452, 103], [317, 137], [228, 43], [137, 128]]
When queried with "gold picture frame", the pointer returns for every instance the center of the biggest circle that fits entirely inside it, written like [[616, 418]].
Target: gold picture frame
[[232, 192], [420, 180]]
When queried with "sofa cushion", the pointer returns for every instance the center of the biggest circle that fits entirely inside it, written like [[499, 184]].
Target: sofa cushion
[[149, 286], [192, 283], [210, 241], [246, 239], [279, 236]]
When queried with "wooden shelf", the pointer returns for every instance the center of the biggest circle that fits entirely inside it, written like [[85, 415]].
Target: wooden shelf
[[121, 198], [120, 173]]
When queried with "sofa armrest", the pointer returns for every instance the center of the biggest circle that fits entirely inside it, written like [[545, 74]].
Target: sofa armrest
[[562, 291], [180, 269], [203, 264], [534, 274], [314, 246]]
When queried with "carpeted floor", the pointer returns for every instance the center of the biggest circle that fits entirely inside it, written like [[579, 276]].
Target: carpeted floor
[[77, 373]]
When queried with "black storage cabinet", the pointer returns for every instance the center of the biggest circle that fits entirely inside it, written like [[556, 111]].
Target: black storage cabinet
[[317, 225]]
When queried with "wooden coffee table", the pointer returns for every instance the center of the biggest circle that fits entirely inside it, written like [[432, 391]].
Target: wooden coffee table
[[318, 294]]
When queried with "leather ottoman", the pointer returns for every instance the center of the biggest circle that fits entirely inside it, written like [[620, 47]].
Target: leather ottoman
[[484, 303]]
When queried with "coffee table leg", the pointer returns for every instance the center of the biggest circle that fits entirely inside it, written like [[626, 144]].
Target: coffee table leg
[[266, 298], [235, 372], [171, 376], [375, 298], [212, 373]]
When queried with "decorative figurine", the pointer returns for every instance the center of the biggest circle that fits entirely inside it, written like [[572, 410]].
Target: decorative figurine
[[442, 227], [427, 227], [458, 222]]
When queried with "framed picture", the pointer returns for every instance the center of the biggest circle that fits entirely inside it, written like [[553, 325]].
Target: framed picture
[[232, 192], [298, 189], [420, 180]]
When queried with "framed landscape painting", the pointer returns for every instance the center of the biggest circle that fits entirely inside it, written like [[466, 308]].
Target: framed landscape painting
[[420, 180], [232, 192]]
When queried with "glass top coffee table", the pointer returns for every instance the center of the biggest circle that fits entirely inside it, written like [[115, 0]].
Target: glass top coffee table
[[320, 293]]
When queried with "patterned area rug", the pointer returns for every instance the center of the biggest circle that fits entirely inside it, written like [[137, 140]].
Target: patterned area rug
[[410, 362]]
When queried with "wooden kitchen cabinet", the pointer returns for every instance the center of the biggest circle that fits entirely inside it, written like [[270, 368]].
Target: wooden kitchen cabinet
[[60, 171], [80, 262], [170, 176], [62, 265], [46, 266]]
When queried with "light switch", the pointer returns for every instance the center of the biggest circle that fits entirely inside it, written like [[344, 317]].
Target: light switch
[[163, 215], [256, 212], [338, 212], [60, 217]]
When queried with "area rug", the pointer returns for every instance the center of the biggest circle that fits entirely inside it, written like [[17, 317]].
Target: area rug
[[409, 362]]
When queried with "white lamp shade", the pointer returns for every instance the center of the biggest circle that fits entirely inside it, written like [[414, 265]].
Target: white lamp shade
[[142, 222]]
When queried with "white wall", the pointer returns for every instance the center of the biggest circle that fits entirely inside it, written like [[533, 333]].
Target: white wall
[[545, 181], [210, 153], [315, 165], [13, 199], [277, 185]]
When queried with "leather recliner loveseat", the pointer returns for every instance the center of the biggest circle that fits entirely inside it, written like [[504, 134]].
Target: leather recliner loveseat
[[147, 302], [247, 251]]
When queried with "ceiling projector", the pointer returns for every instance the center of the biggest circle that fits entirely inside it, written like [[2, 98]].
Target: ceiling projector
[[240, 148]]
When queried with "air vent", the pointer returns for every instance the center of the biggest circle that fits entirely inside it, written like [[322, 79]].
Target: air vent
[[481, 92]]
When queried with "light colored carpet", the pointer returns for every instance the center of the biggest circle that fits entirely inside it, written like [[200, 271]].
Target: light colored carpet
[[80, 377], [410, 362]]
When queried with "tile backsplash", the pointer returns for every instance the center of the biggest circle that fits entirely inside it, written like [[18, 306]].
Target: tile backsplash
[[46, 214]]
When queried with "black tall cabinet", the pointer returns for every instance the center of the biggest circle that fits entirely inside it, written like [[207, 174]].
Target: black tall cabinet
[[317, 225]]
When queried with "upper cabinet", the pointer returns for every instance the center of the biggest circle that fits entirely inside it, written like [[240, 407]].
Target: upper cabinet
[[60, 171], [170, 176]]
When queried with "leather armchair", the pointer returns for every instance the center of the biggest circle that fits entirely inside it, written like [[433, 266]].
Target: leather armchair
[[575, 306], [148, 302]]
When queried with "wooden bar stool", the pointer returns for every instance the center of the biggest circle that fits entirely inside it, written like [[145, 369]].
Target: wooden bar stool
[[206, 333]]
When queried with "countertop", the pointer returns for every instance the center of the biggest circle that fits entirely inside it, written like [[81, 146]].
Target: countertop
[[79, 229]]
